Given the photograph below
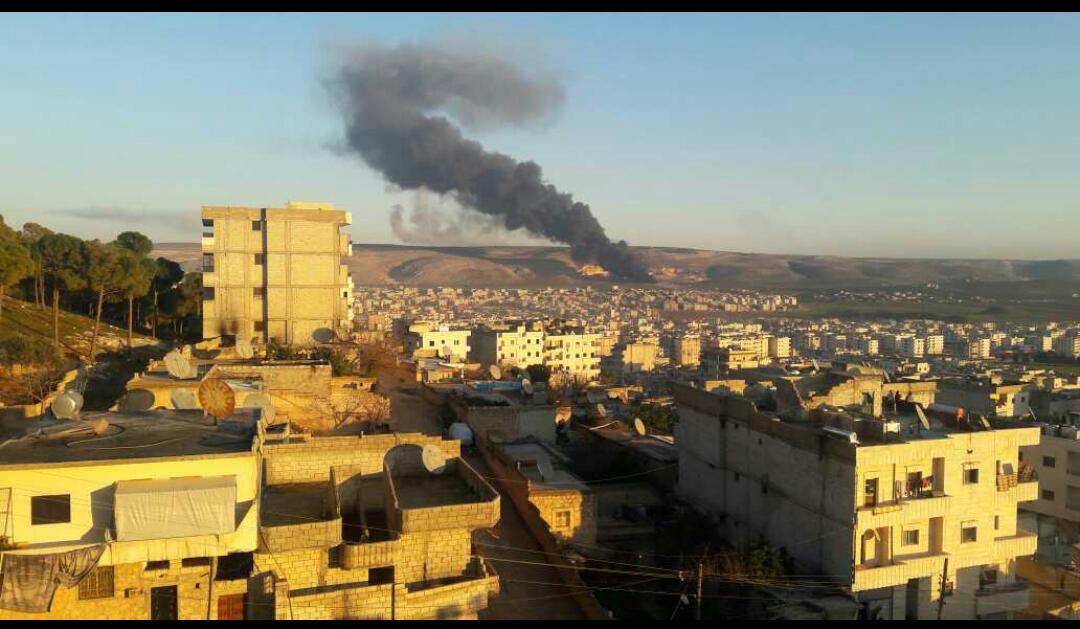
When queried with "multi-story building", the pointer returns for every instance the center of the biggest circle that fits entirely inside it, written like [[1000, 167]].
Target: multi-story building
[[779, 347], [687, 350], [914, 523], [152, 515], [276, 274], [516, 345], [165, 515], [1068, 345], [573, 352], [638, 356], [935, 344], [428, 340], [911, 346]]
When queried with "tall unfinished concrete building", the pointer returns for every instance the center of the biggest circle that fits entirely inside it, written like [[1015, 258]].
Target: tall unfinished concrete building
[[276, 274]]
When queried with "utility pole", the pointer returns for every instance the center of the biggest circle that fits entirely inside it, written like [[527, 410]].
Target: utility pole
[[700, 582], [941, 595]]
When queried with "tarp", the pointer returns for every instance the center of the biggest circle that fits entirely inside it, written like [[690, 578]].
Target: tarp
[[28, 582], [175, 507]]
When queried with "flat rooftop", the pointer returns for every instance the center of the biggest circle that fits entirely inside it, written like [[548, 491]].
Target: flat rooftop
[[295, 503], [130, 435], [417, 491]]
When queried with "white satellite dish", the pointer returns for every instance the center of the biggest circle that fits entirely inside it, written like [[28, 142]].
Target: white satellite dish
[[179, 367], [184, 399], [922, 417], [495, 371], [461, 432], [434, 459], [546, 471], [67, 405], [527, 386], [263, 402], [639, 427], [601, 410], [244, 348]]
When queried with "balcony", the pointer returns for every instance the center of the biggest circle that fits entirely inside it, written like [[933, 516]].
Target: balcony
[[897, 572], [1022, 544], [1022, 486], [457, 498], [920, 506], [300, 515]]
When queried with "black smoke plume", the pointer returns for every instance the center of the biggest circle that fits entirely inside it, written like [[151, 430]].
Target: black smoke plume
[[396, 102]]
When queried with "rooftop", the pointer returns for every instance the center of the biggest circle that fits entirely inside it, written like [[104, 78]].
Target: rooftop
[[130, 435]]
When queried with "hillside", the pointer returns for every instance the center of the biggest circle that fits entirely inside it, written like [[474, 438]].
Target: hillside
[[530, 266]]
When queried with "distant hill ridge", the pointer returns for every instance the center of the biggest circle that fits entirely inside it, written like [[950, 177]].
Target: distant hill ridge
[[532, 266]]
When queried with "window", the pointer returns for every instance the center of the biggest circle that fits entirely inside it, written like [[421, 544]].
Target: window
[[258, 292], [1048, 494], [562, 519], [333, 556], [911, 537], [258, 259], [971, 476], [192, 562], [97, 584], [208, 262], [968, 533], [164, 564], [260, 326], [988, 576], [207, 222], [997, 522], [256, 226], [1049, 461], [381, 576], [208, 294], [870, 489], [50, 509]]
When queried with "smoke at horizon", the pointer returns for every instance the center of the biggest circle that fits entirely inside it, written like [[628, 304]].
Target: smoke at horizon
[[394, 101]]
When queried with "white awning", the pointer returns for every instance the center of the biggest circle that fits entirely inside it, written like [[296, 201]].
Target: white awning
[[175, 507]]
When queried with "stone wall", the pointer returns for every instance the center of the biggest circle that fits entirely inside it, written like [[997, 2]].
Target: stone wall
[[307, 459]]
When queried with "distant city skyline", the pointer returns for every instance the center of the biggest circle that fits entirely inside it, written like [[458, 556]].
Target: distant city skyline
[[945, 136]]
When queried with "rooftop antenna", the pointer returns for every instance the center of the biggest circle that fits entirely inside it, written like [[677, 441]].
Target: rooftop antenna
[[546, 471], [434, 459], [639, 427], [217, 398], [244, 348], [495, 371], [184, 399], [67, 405]]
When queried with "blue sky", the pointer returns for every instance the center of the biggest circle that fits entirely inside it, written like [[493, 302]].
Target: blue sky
[[867, 135]]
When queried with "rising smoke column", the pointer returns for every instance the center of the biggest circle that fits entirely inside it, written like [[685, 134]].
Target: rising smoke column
[[394, 101]]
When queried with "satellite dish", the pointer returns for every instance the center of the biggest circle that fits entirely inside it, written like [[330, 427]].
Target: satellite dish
[[495, 371], [434, 459], [985, 423], [639, 427], [544, 467], [178, 366], [601, 410], [261, 401], [244, 348], [184, 399], [462, 433], [216, 398], [527, 386], [137, 400], [922, 417], [67, 405]]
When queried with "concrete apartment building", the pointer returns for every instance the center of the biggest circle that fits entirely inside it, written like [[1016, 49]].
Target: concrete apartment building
[[686, 350], [1056, 511], [779, 347], [430, 340], [512, 345], [573, 352], [167, 515], [876, 504], [276, 274], [160, 510]]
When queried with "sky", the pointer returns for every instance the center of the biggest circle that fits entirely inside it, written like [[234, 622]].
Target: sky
[[855, 135]]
